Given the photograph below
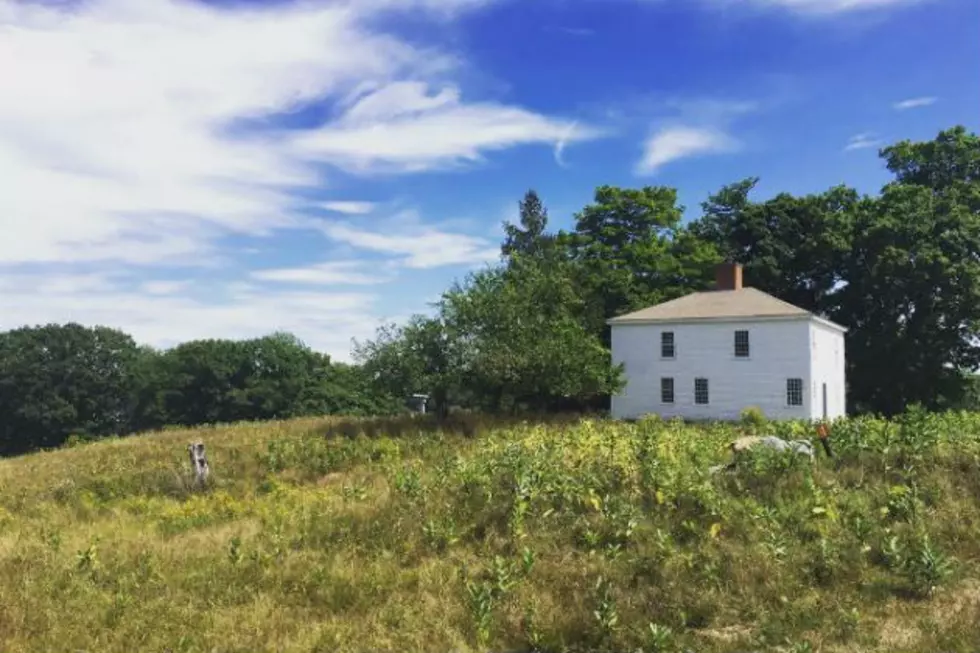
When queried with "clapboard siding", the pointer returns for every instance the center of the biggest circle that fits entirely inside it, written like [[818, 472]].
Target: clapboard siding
[[780, 349], [827, 365]]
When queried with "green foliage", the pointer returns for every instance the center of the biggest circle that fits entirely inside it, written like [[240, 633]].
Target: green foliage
[[71, 385], [632, 251], [525, 341], [529, 239], [57, 381], [573, 535], [752, 418], [900, 269]]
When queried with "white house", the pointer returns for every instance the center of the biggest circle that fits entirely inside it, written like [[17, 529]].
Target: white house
[[708, 355]]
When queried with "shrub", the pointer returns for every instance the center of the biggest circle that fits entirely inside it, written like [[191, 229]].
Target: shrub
[[752, 419]]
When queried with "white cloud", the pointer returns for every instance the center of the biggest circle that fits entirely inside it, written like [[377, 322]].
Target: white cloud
[[562, 143], [163, 287], [679, 142], [403, 127], [820, 7], [326, 321], [128, 137], [324, 274], [914, 103], [114, 121], [418, 247], [862, 142], [348, 207]]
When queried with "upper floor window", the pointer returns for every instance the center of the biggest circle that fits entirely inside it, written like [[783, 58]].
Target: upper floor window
[[667, 344], [742, 344]]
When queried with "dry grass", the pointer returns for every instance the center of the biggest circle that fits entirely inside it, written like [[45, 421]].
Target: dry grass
[[504, 537]]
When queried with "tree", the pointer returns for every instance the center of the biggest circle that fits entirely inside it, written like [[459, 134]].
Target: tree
[[794, 248], [57, 381], [272, 377], [950, 160], [423, 356], [631, 251], [528, 239], [912, 297], [900, 270], [526, 342]]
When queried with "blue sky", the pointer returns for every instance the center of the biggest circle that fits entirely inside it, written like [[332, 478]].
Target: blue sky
[[183, 170]]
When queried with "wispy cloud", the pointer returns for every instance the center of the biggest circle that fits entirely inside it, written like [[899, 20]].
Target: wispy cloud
[[419, 246], [819, 7], [122, 145], [914, 103], [405, 127], [164, 287], [114, 132], [563, 142], [348, 207], [690, 127], [674, 143], [572, 31], [862, 142], [325, 320], [333, 273]]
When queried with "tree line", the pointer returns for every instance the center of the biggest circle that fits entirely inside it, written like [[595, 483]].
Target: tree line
[[60, 381], [900, 269]]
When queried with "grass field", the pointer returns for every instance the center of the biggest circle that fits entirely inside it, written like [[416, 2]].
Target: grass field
[[584, 535]]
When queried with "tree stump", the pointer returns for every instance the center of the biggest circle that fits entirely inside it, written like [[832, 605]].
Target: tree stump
[[199, 463]]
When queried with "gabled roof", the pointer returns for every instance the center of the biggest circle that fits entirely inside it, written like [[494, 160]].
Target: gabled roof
[[744, 303]]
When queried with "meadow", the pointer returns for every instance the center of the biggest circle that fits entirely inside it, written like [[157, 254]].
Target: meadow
[[556, 535]]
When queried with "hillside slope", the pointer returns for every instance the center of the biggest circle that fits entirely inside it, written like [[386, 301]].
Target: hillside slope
[[588, 536]]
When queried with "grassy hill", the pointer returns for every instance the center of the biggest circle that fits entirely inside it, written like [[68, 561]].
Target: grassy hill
[[563, 536]]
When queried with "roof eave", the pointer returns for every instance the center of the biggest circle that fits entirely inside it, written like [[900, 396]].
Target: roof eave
[[829, 323], [685, 320], [619, 321]]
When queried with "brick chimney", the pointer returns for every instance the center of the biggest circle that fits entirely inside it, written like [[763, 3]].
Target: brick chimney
[[728, 276]]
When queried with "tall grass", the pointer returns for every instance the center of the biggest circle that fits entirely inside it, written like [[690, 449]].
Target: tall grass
[[576, 534]]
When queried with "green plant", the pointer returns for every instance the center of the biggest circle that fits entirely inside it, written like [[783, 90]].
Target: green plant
[[927, 567], [440, 534], [235, 550], [658, 639], [605, 613], [480, 597], [532, 633], [803, 646], [409, 482], [752, 419]]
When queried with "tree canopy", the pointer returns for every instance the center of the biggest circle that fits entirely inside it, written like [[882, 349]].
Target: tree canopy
[[900, 269]]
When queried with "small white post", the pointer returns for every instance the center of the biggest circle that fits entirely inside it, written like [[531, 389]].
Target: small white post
[[199, 462]]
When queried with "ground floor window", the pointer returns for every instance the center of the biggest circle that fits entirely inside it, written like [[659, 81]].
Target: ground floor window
[[700, 391], [794, 392], [667, 390]]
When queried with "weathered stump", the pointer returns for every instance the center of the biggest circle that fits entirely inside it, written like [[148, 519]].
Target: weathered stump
[[199, 463]]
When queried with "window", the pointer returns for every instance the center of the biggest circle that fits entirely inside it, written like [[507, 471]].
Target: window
[[700, 391], [667, 344], [667, 390], [794, 392], [742, 344]]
